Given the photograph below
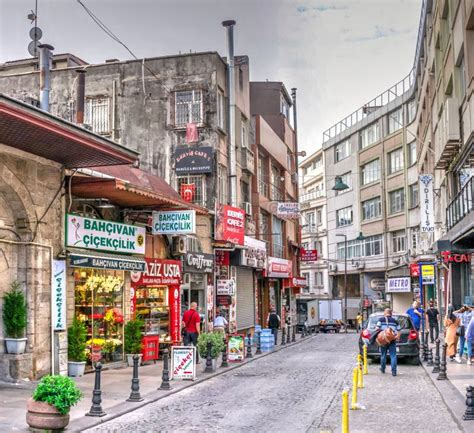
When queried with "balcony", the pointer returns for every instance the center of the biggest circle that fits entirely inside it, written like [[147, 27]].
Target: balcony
[[247, 161], [461, 205], [447, 135], [306, 198]]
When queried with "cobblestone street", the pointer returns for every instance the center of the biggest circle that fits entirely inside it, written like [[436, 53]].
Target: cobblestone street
[[296, 390]]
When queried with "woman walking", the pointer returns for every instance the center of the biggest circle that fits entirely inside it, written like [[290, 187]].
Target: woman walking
[[451, 323]]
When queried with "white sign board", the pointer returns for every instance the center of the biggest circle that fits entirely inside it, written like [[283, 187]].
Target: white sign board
[[288, 210], [183, 362], [174, 222], [426, 203], [399, 285], [255, 253], [58, 295], [96, 234], [225, 287]]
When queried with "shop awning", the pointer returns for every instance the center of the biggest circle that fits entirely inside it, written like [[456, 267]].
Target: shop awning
[[35, 131], [130, 187], [79, 258]]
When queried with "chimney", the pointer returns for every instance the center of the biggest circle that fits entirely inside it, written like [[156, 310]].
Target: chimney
[[80, 95], [45, 69]]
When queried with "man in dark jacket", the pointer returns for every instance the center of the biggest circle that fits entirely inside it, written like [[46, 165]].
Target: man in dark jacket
[[273, 322], [388, 322], [432, 314]]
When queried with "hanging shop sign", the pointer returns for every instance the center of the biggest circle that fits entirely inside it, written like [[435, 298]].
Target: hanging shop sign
[[187, 191], [399, 285], [95, 234], [58, 295], [279, 268], [255, 253], [377, 284], [117, 264], [236, 348], [178, 222], [198, 262], [426, 203], [225, 287], [308, 255], [449, 257], [197, 160], [158, 272], [427, 274], [288, 210], [183, 365], [229, 224], [414, 270]]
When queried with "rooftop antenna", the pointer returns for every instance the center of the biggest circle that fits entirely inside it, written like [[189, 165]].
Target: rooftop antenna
[[35, 32]]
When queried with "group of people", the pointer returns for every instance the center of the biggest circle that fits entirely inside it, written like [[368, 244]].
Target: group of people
[[460, 328]]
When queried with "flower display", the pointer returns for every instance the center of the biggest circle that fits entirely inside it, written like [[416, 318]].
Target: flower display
[[113, 315], [104, 284]]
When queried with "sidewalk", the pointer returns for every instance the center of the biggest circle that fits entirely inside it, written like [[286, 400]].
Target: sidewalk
[[115, 390]]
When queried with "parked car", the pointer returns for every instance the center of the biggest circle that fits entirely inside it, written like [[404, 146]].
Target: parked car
[[407, 346], [330, 325]]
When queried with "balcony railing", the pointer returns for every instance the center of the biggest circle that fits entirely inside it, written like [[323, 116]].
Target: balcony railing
[[277, 250], [247, 161], [461, 205], [311, 196]]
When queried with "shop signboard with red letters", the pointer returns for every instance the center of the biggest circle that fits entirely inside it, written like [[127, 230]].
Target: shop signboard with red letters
[[309, 255], [183, 365], [414, 270], [279, 268], [230, 224], [450, 257]]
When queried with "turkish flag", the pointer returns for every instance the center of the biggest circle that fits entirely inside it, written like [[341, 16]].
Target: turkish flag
[[192, 134], [187, 191]]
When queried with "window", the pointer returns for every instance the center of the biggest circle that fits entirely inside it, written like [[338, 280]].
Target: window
[[412, 155], [347, 179], [371, 208], [342, 150], [277, 237], [188, 107], [305, 245], [413, 195], [397, 200], [395, 120], [245, 191], [319, 216], [245, 134], [220, 110], [200, 187], [344, 216], [395, 161], [264, 229], [354, 249], [411, 108], [262, 184], [97, 114], [415, 238], [223, 183], [462, 78], [369, 135], [399, 241], [319, 278], [276, 187], [373, 245], [318, 162], [285, 108], [371, 172], [310, 220], [318, 246]]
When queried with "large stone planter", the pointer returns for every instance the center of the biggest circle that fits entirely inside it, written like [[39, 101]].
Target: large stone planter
[[75, 369], [15, 346], [130, 359], [43, 416]]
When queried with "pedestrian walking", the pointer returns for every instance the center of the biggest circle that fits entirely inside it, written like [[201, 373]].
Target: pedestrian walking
[[359, 320], [385, 323], [220, 323], [416, 313], [432, 314], [464, 314], [191, 326], [470, 340], [273, 322], [451, 323]]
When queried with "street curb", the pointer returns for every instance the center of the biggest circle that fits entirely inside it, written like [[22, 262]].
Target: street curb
[[123, 408], [452, 398]]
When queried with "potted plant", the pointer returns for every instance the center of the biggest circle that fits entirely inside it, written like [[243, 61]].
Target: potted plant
[[14, 319], [52, 399], [76, 348], [133, 340], [217, 346]]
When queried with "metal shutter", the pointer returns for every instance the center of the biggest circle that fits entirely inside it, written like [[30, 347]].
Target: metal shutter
[[245, 298]]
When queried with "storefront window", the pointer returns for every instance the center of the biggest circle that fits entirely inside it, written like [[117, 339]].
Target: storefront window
[[99, 298], [153, 308]]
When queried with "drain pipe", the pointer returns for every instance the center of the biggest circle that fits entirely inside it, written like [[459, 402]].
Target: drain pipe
[[45, 69], [229, 25], [295, 128], [80, 95]]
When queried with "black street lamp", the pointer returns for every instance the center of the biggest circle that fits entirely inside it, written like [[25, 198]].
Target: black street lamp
[[339, 185]]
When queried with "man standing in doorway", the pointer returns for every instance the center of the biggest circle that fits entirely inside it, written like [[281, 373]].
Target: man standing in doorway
[[432, 314], [416, 313], [191, 325], [273, 322], [388, 322]]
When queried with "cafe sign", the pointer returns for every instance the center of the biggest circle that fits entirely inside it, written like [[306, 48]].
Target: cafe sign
[[58, 288], [198, 262], [158, 272], [229, 224], [96, 234], [179, 222], [198, 160], [449, 257]]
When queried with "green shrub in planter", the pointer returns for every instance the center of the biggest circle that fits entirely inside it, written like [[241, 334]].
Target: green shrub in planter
[[133, 336], [14, 311], [217, 344], [58, 391], [76, 341]]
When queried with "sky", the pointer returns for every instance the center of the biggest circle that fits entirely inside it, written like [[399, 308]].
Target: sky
[[339, 54]]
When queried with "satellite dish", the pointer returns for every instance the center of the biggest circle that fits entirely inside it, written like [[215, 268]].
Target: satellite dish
[[33, 48], [36, 33]]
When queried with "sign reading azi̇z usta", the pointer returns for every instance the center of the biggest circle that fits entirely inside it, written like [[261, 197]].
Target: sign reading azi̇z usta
[[95, 234]]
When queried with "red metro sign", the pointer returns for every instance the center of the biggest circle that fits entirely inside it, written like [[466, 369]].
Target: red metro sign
[[449, 257]]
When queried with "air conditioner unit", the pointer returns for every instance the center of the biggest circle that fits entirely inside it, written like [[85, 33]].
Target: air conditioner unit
[[396, 260], [178, 247], [247, 207], [360, 265], [332, 267]]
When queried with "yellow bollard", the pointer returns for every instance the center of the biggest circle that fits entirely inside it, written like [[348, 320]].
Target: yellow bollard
[[366, 367], [360, 383], [345, 411], [355, 376]]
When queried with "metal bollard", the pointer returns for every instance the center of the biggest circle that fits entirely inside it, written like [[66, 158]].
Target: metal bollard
[[355, 376], [293, 337], [430, 358], [208, 358], [165, 382], [259, 344], [469, 414], [96, 408], [425, 347], [442, 369], [135, 394], [224, 355], [249, 346], [366, 364], [360, 382], [283, 336], [436, 360], [345, 411], [288, 336], [302, 331]]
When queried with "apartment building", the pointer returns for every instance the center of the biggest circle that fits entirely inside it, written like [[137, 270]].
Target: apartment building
[[313, 225]]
